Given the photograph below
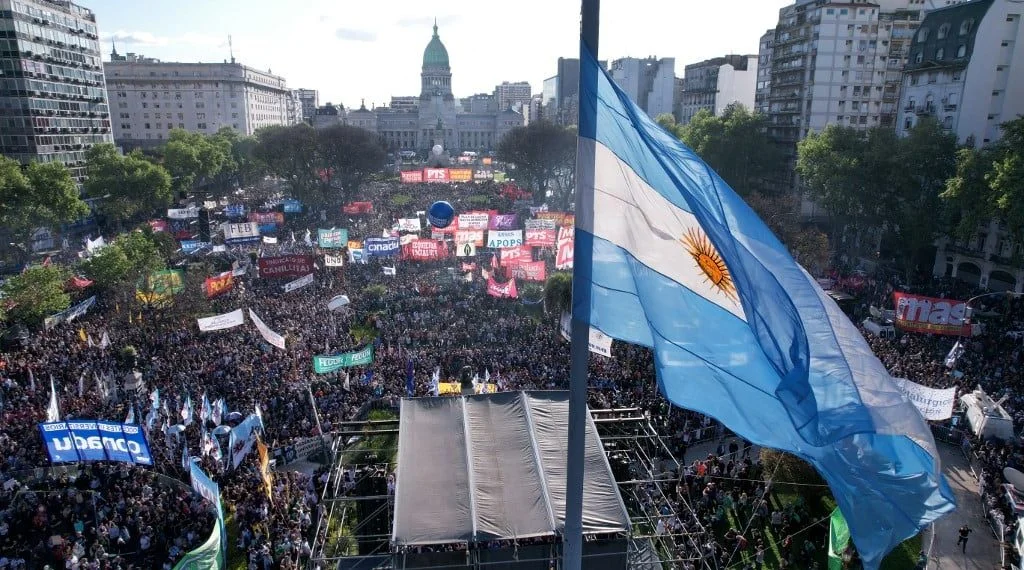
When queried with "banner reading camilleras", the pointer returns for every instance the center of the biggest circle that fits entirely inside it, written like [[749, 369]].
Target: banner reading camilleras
[[324, 364], [934, 403], [930, 314], [286, 266]]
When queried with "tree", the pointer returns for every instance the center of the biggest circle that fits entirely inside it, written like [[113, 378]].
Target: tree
[[808, 245], [291, 153], [667, 121], [1006, 178], [194, 158], [132, 256], [542, 153], [131, 186], [242, 168], [39, 195], [349, 155], [558, 293], [967, 194], [36, 293], [735, 146]]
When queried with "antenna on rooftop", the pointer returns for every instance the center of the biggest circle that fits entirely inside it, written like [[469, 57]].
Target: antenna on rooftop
[[231, 50]]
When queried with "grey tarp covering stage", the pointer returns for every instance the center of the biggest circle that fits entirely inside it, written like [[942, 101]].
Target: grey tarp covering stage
[[490, 466]]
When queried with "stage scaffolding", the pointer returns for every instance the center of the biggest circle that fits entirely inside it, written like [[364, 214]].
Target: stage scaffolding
[[644, 467]]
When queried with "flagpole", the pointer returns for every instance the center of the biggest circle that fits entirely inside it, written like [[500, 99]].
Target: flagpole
[[580, 338]]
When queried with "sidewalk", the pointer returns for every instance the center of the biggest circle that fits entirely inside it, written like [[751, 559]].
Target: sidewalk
[[982, 548]]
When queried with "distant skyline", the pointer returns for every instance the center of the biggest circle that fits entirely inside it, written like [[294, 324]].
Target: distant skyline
[[373, 51]]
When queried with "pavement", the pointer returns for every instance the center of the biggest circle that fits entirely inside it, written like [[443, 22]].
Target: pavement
[[983, 549]]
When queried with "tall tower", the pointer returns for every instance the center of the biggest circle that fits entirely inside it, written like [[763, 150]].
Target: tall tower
[[436, 75]]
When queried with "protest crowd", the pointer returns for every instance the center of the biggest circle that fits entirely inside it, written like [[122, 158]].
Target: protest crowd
[[437, 313]]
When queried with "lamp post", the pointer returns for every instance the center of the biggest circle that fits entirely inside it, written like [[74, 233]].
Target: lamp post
[[968, 309]]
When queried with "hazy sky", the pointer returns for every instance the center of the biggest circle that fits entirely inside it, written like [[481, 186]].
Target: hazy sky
[[350, 50]]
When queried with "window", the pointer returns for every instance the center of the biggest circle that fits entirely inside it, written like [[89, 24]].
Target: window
[[996, 93], [145, 115], [234, 115], [913, 79], [200, 116], [843, 11], [956, 75], [952, 99], [922, 35], [943, 31], [125, 115], [933, 77], [860, 59], [961, 51], [126, 126], [966, 26], [918, 57], [181, 125], [947, 123], [234, 125], [158, 116], [147, 125], [145, 105], [830, 11], [181, 116], [200, 105], [201, 126], [940, 54]]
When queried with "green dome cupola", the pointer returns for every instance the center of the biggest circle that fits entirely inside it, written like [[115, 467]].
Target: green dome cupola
[[435, 55]]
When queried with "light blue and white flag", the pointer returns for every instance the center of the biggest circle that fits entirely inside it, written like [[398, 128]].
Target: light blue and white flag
[[676, 261], [154, 399], [130, 418], [53, 410], [186, 410], [954, 355], [205, 411]]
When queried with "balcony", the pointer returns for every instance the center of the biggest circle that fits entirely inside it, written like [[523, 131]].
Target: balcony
[[925, 111]]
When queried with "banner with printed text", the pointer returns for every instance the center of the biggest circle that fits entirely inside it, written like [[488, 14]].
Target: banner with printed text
[[412, 176], [933, 403], [506, 290], [476, 221], [497, 239], [561, 219], [332, 238], [234, 211], [286, 266], [299, 283], [273, 338], [218, 284], [334, 260], [88, 440], [931, 314], [69, 314], [323, 364], [467, 249], [600, 343], [503, 222], [160, 286], [512, 255], [475, 237], [540, 224], [460, 174], [563, 256], [292, 206], [425, 250], [529, 270], [266, 218], [540, 238], [183, 213], [409, 224], [222, 322], [435, 175], [241, 233], [382, 247]]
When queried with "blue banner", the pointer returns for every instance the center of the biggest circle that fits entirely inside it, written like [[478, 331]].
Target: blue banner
[[204, 485], [266, 229], [83, 440], [381, 247], [292, 206], [191, 246], [234, 210]]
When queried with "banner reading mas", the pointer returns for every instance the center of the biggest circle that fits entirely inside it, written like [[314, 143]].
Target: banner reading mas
[[931, 314]]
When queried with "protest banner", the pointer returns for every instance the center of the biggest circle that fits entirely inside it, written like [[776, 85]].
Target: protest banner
[[160, 286], [218, 284], [425, 250], [334, 260], [409, 224], [475, 237], [933, 403], [503, 222], [599, 342], [298, 283], [475, 221], [241, 233], [273, 338], [222, 322], [381, 247], [465, 250], [266, 218], [933, 315], [502, 290], [69, 314], [529, 270], [332, 238], [89, 440], [354, 208], [411, 176], [540, 224], [563, 257], [435, 175], [286, 266], [329, 363], [183, 213], [504, 238], [540, 238], [512, 255]]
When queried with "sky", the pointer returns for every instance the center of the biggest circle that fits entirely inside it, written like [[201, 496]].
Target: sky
[[357, 50]]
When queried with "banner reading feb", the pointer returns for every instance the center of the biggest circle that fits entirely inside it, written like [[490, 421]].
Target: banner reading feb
[[931, 314]]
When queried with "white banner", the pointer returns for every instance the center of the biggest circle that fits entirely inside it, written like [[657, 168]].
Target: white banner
[[539, 224], [465, 250], [933, 403], [409, 238], [337, 302], [390, 271], [600, 343], [222, 322], [270, 240], [210, 204], [473, 221], [298, 283], [504, 238], [182, 213], [334, 260], [409, 224], [245, 231], [267, 334]]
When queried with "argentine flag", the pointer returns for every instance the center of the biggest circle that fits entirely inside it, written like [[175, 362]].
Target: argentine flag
[[679, 263]]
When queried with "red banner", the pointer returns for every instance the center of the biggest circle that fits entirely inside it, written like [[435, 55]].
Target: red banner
[[158, 225], [412, 176], [563, 257], [425, 250], [505, 290], [540, 238], [564, 219], [218, 284], [468, 266], [286, 266], [476, 237], [435, 175], [930, 314], [357, 208], [267, 218], [513, 255], [529, 271]]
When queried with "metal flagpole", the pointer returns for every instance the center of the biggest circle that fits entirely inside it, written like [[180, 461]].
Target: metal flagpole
[[580, 347]]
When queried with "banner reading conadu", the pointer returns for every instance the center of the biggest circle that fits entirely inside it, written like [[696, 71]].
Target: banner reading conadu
[[931, 314]]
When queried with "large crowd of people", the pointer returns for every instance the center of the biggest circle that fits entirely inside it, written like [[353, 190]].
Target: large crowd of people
[[120, 516]]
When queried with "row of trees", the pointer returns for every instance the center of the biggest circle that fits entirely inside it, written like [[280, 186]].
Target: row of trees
[[544, 159], [320, 165]]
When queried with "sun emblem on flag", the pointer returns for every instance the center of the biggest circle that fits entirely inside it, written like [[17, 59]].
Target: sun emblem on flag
[[709, 261]]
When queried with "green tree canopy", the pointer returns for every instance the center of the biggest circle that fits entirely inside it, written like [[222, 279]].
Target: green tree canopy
[[543, 153], [558, 292], [193, 158], [131, 186], [39, 195], [349, 156], [291, 153], [130, 257], [242, 167], [36, 293], [735, 146]]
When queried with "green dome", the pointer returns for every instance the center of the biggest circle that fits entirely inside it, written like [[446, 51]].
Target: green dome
[[435, 55]]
